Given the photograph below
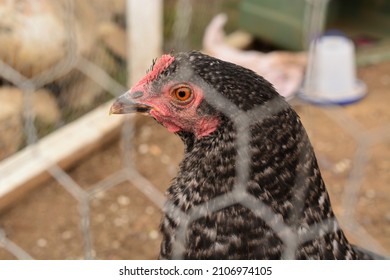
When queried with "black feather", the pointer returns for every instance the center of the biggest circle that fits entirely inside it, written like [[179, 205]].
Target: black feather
[[282, 176]]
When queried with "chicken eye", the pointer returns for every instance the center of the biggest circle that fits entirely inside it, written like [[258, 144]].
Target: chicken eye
[[182, 94]]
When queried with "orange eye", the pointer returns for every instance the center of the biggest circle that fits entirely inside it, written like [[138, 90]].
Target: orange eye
[[182, 93]]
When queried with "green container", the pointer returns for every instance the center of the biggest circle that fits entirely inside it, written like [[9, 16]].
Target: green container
[[288, 24], [282, 22]]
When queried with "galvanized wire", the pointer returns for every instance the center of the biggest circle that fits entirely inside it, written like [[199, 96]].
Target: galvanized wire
[[129, 173]]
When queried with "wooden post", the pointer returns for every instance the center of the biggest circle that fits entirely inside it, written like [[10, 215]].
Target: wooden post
[[144, 25], [27, 169]]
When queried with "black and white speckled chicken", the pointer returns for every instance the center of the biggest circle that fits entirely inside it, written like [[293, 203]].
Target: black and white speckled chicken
[[278, 208]]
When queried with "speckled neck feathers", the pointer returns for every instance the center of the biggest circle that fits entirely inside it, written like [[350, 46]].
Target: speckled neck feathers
[[283, 175]]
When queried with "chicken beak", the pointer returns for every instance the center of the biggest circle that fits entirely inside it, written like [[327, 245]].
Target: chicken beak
[[124, 104]]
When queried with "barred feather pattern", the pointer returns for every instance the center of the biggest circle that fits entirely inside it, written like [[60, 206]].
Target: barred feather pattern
[[283, 175]]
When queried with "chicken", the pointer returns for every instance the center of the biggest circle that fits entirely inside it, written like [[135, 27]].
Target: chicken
[[249, 186]]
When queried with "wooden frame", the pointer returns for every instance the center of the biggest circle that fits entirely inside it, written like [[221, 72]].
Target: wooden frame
[[27, 169]]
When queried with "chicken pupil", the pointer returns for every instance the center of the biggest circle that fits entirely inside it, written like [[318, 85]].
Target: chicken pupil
[[182, 94]]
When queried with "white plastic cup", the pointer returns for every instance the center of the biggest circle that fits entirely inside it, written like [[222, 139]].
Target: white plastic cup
[[333, 71]]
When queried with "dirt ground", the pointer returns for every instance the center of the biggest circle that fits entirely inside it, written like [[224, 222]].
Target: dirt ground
[[124, 222]]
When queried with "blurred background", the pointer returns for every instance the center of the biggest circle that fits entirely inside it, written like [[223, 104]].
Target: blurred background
[[76, 183]]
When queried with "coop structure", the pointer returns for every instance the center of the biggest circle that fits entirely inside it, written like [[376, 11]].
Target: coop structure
[[79, 138], [290, 24], [52, 155]]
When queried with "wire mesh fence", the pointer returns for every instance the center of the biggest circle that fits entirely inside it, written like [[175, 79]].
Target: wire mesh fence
[[109, 205]]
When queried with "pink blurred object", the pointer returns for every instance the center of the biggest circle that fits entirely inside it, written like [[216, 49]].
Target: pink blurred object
[[285, 70]]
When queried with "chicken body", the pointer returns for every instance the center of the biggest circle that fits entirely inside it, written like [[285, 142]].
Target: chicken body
[[259, 199]]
